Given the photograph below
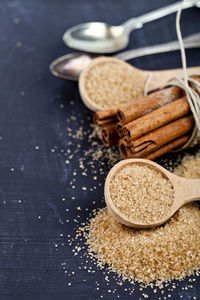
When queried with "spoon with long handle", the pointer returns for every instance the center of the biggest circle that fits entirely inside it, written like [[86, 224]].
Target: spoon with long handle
[[97, 37], [70, 66], [139, 79], [185, 190]]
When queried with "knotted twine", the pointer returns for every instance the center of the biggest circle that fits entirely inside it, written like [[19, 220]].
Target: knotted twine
[[189, 84]]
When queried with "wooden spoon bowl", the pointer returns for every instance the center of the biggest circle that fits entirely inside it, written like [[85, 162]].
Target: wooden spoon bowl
[[137, 79], [185, 190]]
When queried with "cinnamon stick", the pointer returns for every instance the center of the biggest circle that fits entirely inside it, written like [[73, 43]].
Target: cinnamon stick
[[145, 105], [161, 136], [109, 134], [103, 117], [157, 118], [125, 152], [168, 147], [119, 129], [124, 149]]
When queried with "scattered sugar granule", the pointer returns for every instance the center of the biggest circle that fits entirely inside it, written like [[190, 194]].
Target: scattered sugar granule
[[16, 21], [19, 44]]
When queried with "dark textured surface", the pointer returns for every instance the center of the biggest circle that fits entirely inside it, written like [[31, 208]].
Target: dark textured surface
[[31, 115]]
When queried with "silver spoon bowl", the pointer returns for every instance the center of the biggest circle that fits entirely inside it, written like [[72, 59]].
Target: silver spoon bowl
[[71, 65], [97, 37]]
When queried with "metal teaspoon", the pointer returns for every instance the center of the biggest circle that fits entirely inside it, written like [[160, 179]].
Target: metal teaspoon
[[70, 66], [97, 37]]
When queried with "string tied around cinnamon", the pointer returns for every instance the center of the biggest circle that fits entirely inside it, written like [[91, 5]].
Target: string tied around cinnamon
[[188, 84], [192, 91]]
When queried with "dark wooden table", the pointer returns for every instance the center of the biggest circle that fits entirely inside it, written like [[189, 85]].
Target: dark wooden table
[[36, 261]]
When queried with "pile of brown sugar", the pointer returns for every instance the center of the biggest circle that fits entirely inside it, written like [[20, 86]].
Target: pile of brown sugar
[[163, 253], [111, 83], [189, 167], [170, 251], [141, 193]]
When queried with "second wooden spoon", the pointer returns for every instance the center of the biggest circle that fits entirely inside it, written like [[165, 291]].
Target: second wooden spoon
[[185, 190]]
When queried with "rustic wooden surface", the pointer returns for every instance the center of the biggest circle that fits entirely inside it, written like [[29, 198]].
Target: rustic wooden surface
[[33, 182]]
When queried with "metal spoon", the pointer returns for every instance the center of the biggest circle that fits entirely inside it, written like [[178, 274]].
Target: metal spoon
[[97, 37], [185, 190], [70, 66]]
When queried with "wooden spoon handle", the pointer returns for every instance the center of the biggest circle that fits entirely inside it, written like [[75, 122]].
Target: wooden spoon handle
[[187, 190], [161, 77]]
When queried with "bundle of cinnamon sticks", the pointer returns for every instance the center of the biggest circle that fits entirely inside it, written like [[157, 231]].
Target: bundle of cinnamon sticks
[[148, 127]]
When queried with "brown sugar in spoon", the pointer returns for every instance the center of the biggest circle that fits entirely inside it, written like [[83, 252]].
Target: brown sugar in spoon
[[185, 190], [109, 82]]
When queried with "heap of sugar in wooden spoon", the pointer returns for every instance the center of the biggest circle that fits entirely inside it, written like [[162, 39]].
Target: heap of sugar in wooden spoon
[[108, 82], [140, 193]]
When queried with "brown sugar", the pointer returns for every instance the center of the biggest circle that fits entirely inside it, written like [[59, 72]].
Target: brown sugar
[[159, 254], [170, 251], [141, 193], [189, 167], [111, 83]]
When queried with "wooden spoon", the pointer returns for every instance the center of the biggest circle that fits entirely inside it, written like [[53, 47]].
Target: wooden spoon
[[138, 79], [185, 190]]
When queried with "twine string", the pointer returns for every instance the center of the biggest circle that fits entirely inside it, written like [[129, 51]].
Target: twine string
[[188, 84]]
